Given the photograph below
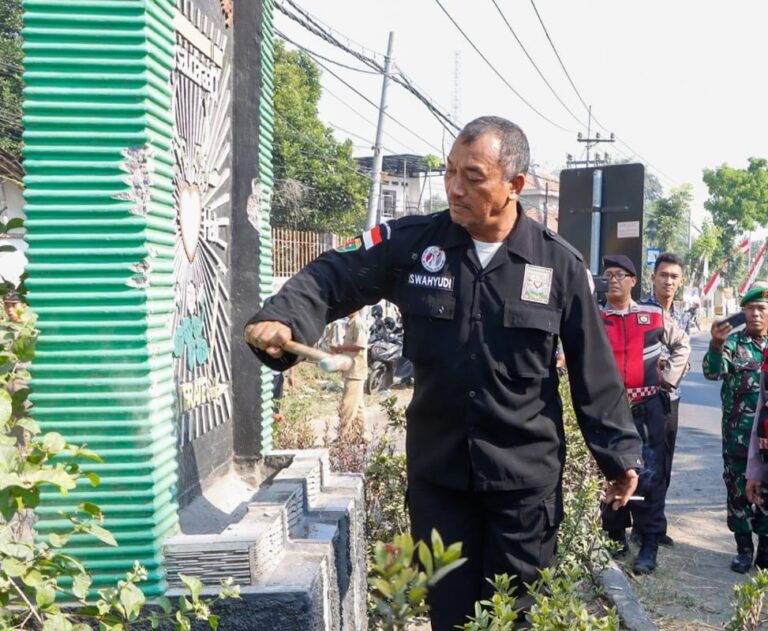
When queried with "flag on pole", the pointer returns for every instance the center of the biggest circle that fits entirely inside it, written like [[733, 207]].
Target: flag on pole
[[743, 247], [754, 270], [712, 284]]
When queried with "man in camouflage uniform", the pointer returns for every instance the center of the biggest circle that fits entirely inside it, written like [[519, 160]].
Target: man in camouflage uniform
[[736, 359]]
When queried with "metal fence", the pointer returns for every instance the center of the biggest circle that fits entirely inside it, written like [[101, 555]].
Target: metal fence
[[293, 249]]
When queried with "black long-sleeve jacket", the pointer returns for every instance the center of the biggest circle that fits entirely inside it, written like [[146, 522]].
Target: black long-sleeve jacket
[[486, 413]]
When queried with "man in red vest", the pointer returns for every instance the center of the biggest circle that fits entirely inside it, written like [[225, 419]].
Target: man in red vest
[[637, 333]]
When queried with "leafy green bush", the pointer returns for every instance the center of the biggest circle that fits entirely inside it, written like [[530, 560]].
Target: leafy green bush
[[401, 574], [748, 603], [37, 577]]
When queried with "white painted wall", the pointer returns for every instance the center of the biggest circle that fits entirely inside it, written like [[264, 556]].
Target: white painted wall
[[12, 264]]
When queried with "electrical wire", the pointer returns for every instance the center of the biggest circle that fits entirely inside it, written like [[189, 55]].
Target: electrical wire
[[370, 102], [533, 63], [367, 120], [583, 102], [497, 73], [328, 59], [313, 25]]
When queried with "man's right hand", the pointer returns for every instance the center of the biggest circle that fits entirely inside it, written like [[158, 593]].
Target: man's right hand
[[268, 336], [719, 332], [753, 492]]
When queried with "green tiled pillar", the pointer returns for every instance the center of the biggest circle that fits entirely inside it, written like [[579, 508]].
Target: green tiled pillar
[[100, 208]]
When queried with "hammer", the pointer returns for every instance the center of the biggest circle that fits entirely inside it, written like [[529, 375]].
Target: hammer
[[326, 361]]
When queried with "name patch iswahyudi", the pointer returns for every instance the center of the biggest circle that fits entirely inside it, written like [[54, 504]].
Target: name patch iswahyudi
[[444, 283]]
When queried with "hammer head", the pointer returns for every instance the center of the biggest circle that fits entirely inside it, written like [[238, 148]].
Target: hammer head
[[336, 363]]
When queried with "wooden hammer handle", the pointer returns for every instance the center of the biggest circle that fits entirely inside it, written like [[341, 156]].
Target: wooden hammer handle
[[327, 361]]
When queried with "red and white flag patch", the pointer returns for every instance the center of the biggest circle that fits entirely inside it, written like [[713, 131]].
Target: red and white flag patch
[[374, 236]]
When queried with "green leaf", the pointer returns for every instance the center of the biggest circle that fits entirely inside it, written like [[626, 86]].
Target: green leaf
[[101, 533], [58, 541], [132, 599], [57, 622], [14, 223], [33, 578], [6, 408], [92, 509], [445, 570], [425, 557], [53, 442], [29, 424], [80, 586], [45, 595], [193, 585], [89, 454], [164, 604], [14, 567], [213, 622]]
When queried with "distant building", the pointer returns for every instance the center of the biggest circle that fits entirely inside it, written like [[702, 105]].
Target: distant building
[[541, 196], [408, 187]]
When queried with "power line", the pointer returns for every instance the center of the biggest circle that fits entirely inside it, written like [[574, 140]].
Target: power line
[[533, 63], [370, 102], [497, 73], [562, 65], [583, 102], [313, 25], [316, 54], [367, 120]]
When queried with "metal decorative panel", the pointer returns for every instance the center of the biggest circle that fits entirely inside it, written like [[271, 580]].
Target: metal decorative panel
[[202, 148]]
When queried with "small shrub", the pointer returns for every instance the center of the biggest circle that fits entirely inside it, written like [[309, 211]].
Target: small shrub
[[401, 574], [748, 603], [293, 424], [36, 577]]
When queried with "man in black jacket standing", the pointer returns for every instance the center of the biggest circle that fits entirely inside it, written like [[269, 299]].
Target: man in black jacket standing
[[485, 294]]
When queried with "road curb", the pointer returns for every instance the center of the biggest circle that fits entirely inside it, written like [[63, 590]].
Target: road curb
[[619, 590]]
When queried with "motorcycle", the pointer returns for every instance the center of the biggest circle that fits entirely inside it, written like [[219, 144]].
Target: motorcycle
[[386, 364]]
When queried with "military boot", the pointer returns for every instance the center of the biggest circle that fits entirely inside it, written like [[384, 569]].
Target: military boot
[[745, 550], [619, 537], [761, 558], [645, 562]]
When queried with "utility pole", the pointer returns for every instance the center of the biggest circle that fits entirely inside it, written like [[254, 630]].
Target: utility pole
[[591, 142], [373, 199]]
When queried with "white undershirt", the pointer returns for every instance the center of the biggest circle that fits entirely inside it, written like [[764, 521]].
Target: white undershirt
[[485, 251]]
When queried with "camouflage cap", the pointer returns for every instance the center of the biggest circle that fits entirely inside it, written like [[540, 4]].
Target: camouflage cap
[[757, 293]]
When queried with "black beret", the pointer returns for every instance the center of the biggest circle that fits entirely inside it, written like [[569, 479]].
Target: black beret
[[619, 260]]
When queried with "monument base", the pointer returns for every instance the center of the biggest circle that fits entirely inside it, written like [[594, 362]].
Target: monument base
[[295, 545]]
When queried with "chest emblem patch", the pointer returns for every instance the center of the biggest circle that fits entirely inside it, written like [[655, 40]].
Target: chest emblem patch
[[433, 259], [643, 318], [537, 284]]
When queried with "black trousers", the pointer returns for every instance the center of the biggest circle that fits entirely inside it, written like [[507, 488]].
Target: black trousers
[[512, 532], [672, 421], [647, 516]]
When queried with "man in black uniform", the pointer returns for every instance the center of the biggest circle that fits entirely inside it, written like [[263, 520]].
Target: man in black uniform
[[485, 293]]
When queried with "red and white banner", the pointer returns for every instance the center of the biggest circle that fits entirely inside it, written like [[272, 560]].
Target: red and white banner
[[743, 247], [757, 264], [712, 283]]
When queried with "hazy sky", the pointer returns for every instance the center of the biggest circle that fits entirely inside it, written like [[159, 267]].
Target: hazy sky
[[681, 82]]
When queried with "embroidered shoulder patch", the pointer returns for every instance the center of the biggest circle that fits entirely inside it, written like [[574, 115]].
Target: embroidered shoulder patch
[[350, 246], [537, 284]]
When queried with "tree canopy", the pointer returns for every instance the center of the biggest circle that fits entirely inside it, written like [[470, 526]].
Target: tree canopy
[[738, 203], [10, 77], [667, 222], [318, 185]]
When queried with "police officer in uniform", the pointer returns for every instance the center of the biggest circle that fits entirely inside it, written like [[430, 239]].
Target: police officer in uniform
[[637, 334], [485, 294]]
